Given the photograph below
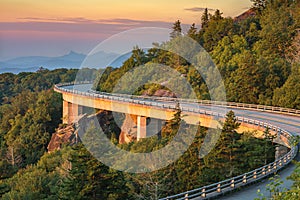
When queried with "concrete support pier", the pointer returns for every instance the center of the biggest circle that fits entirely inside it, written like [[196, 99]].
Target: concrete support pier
[[71, 112], [141, 127]]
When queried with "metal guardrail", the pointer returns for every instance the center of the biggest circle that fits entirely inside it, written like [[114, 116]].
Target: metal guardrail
[[169, 99], [231, 184], [227, 185]]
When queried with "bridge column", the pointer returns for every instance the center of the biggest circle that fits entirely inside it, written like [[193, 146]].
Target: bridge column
[[71, 112], [141, 127], [65, 112]]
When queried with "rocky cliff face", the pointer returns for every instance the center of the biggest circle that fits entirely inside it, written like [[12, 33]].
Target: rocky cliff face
[[160, 93], [129, 129], [249, 13], [70, 134], [66, 134]]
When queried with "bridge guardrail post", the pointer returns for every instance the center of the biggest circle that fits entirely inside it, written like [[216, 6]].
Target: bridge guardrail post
[[186, 196], [244, 179], [219, 188], [254, 175], [232, 183], [263, 171], [203, 193]]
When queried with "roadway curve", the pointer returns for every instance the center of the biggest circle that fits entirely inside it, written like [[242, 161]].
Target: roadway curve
[[288, 122]]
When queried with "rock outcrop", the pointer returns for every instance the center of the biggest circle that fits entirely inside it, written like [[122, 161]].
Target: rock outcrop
[[160, 93], [249, 13], [65, 134], [129, 129], [69, 134]]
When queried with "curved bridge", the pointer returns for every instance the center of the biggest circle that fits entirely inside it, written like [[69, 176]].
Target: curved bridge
[[282, 121]]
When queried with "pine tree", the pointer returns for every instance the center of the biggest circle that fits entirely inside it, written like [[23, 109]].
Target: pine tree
[[176, 30], [90, 179], [192, 32], [204, 19], [231, 124], [139, 56], [268, 143], [217, 15], [228, 146]]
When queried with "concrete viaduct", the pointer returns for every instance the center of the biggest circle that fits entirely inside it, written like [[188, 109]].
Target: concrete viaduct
[[282, 121]]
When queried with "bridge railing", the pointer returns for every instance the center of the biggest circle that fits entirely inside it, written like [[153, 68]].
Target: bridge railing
[[222, 187], [98, 94], [227, 185]]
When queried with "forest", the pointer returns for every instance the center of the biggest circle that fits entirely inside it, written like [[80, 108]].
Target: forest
[[258, 57], [259, 60]]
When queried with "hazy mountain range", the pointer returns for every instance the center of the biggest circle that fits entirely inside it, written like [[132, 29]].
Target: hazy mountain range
[[70, 60]]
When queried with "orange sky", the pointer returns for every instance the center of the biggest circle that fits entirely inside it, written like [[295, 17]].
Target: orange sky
[[162, 10], [36, 23]]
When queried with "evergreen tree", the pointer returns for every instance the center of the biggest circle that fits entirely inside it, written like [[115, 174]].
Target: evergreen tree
[[204, 19], [231, 124], [192, 32], [90, 179], [217, 29], [268, 138], [245, 83], [277, 30], [177, 31], [217, 15], [139, 56], [288, 94], [227, 147]]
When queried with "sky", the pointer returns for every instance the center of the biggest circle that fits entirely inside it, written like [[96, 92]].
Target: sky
[[53, 28]]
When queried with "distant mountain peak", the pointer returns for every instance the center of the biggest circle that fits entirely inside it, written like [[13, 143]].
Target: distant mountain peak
[[74, 53], [73, 56]]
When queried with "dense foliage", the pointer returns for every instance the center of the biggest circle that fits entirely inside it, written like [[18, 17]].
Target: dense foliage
[[258, 56], [29, 113], [28, 116]]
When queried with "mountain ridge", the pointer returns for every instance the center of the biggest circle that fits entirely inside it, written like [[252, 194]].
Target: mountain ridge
[[72, 60]]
